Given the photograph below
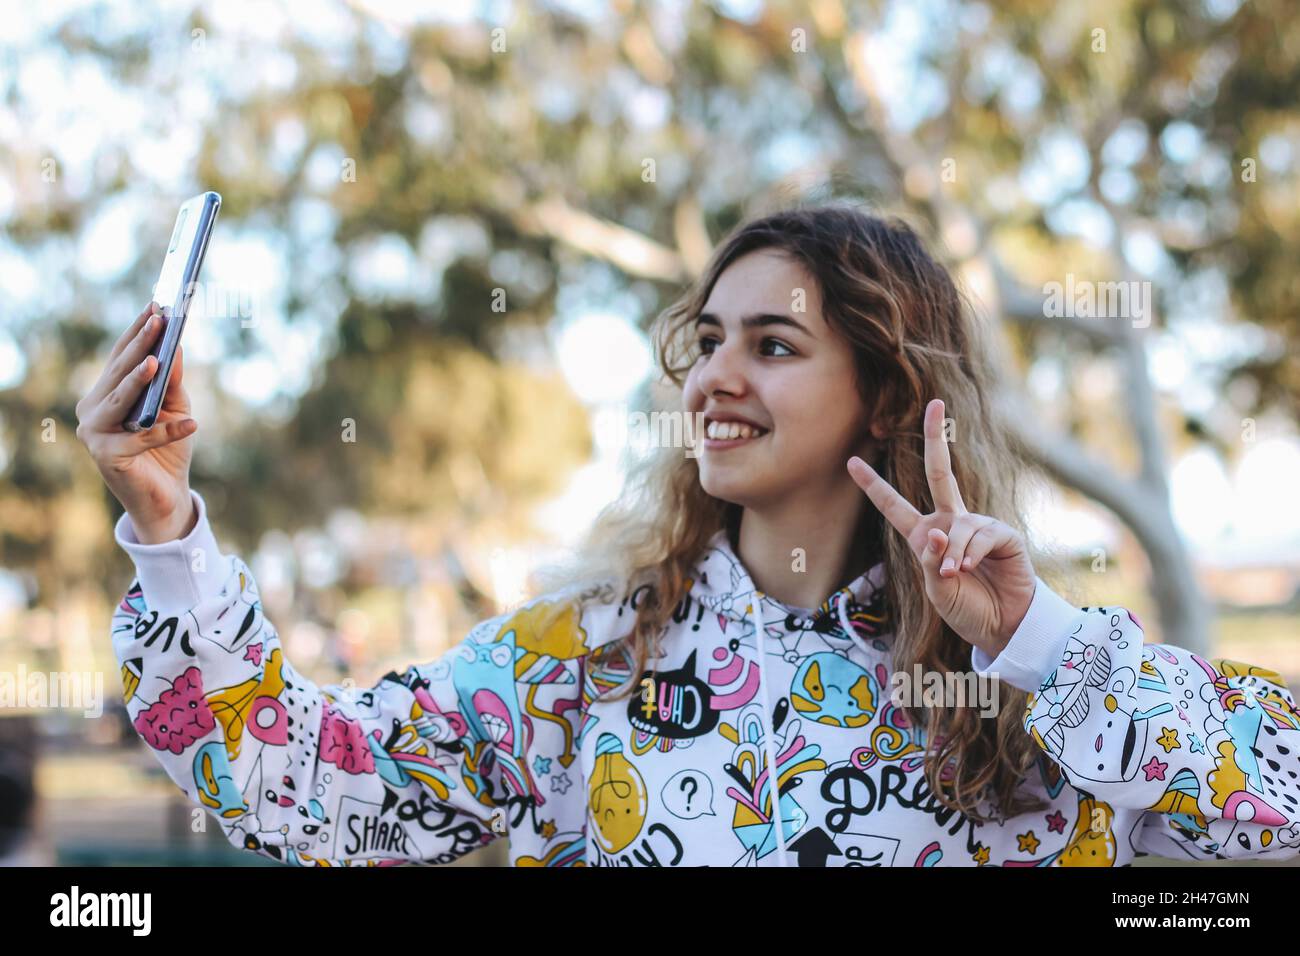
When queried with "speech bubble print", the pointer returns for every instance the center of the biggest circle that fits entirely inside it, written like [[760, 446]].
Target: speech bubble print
[[689, 794], [676, 704]]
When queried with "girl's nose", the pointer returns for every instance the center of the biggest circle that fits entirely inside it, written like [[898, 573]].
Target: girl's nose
[[723, 371]]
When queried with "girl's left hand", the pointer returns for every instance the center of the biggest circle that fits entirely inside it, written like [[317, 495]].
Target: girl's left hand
[[977, 569]]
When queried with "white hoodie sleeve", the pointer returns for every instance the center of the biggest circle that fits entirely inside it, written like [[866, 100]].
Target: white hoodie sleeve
[[403, 771], [1210, 749]]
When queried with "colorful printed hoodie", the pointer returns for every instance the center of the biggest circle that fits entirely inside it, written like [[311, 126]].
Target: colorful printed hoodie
[[1147, 748]]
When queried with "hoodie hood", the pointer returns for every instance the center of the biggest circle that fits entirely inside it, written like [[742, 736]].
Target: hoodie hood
[[855, 611]]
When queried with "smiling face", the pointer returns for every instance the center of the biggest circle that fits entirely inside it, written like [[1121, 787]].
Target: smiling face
[[787, 372]]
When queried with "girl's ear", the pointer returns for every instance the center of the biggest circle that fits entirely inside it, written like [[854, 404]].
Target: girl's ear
[[872, 444]]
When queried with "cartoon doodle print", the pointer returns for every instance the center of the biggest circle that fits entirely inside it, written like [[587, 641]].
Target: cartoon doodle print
[[214, 781], [894, 739], [254, 705], [1093, 841], [133, 616], [492, 662], [674, 708], [752, 819], [179, 717], [616, 796], [1084, 684], [257, 791], [688, 794], [1240, 709], [1181, 803], [602, 672], [799, 635], [833, 690], [239, 621]]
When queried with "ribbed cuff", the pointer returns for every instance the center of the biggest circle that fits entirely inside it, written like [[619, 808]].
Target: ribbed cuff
[[1037, 646], [176, 575]]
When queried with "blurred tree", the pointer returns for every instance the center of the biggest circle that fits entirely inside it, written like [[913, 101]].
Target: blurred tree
[[474, 161]]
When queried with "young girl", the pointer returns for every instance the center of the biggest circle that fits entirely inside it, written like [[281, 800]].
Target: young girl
[[783, 649]]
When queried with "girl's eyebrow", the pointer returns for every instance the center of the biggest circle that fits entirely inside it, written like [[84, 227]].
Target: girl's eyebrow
[[757, 319]]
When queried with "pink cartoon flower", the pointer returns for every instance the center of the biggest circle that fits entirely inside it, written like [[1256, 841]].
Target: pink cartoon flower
[[179, 717], [343, 743]]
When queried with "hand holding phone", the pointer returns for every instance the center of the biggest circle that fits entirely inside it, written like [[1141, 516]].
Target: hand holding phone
[[147, 468]]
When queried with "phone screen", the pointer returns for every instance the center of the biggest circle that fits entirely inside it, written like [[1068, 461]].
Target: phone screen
[[167, 289]]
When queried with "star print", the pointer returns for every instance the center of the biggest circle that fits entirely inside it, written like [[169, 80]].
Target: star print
[[253, 652], [1056, 822], [981, 856], [548, 828], [1028, 842], [1169, 739], [1155, 770], [1195, 744], [542, 765], [562, 783]]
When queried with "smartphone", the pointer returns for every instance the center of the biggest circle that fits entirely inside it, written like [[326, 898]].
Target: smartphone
[[173, 292]]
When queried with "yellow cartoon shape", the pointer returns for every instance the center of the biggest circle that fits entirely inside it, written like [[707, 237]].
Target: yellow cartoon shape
[[132, 671], [1093, 841], [230, 705], [546, 629], [617, 796], [546, 632]]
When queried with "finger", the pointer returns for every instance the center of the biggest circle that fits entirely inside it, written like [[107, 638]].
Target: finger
[[987, 541], [127, 360], [126, 444], [122, 340], [938, 464], [176, 399], [959, 535], [935, 543], [898, 511], [107, 416]]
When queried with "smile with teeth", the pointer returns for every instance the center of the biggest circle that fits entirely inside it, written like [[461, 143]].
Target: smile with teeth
[[723, 431]]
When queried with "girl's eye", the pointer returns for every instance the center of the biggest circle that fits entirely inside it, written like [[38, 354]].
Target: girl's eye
[[706, 349]]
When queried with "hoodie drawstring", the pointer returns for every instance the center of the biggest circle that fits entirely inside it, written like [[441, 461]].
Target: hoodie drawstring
[[773, 776], [769, 746], [845, 622]]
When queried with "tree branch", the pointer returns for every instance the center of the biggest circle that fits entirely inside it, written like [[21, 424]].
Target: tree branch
[[625, 248]]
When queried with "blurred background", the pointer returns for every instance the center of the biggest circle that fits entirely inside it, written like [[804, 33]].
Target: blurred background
[[450, 224]]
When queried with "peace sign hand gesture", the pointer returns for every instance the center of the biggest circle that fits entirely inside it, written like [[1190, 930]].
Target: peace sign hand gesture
[[977, 569]]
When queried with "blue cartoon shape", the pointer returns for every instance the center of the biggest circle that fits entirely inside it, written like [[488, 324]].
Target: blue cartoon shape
[[215, 782], [483, 674], [830, 689]]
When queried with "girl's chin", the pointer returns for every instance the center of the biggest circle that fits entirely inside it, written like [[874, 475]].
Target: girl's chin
[[736, 487]]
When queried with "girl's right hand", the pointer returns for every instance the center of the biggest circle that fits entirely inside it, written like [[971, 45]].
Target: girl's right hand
[[147, 471]]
